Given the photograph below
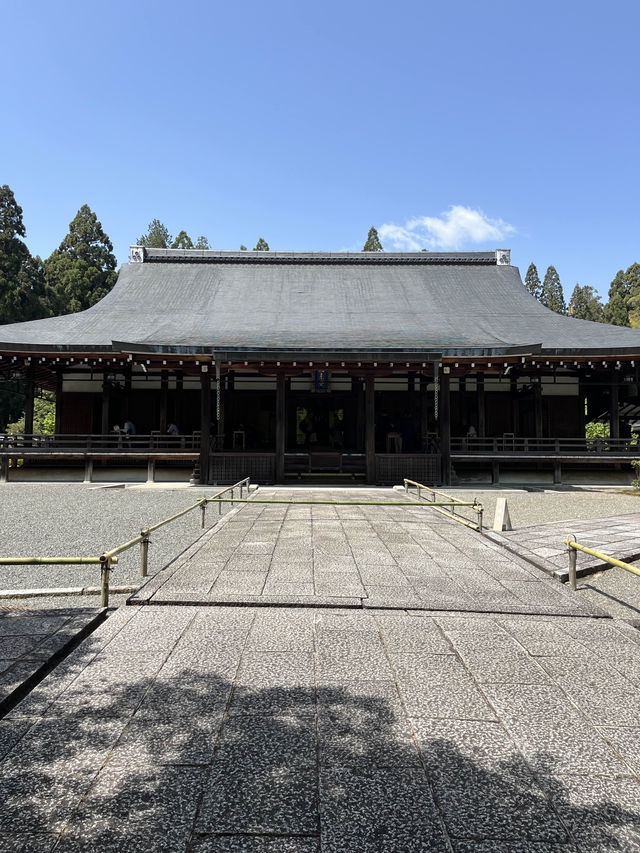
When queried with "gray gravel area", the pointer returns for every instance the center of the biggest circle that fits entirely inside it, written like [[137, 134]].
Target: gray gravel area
[[539, 506], [53, 519]]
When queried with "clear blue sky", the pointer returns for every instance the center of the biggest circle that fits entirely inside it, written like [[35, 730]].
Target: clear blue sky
[[451, 125]]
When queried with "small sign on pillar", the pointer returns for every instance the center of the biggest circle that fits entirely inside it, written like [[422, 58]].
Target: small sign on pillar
[[502, 520]]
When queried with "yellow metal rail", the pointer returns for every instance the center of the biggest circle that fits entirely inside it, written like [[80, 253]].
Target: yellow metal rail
[[574, 547], [451, 501]]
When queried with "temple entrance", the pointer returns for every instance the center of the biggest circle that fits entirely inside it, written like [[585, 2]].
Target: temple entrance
[[325, 434]]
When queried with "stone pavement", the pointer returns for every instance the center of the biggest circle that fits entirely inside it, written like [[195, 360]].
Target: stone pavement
[[272, 729], [617, 536], [31, 640], [360, 556], [362, 719]]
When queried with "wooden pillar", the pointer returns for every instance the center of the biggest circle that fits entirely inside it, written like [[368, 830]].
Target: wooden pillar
[[537, 404], [29, 395], [164, 400], [614, 413], [58, 422], [126, 403], [515, 405], [106, 393], [356, 390], [205, 423], [281, 413], [424, 413], [220, 383], [370, 427], [176, 401], [480, 393], [445, 427]]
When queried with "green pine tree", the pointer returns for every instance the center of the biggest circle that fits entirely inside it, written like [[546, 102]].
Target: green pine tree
[[373, 243], [623, 307], [585, 304], [552, 296], [532, 281], [202, 243], [157, 236], [243, 248], [23, 292], [261, 246], [82, 270], [182, 241]]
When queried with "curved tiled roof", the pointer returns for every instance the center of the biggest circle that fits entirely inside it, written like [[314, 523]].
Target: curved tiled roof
[[457, 304]]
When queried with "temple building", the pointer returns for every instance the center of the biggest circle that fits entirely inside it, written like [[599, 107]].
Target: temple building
[[285, 366]]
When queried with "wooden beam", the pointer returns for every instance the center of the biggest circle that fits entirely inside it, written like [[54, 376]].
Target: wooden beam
[[482, 409], [29, 395], [164, 400], [370, 427], [614, 411], [104, 415], [537, 403], [205, 425], [445, 427], [281, 414], [58, 422]]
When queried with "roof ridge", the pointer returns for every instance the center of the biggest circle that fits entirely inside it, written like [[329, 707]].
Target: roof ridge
[[140, 254]]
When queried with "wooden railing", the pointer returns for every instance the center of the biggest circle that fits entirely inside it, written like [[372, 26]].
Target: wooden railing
[[546, 446], [116, 443]]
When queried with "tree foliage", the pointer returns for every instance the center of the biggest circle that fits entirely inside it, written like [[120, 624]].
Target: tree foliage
[[532, 281], [243, 248], [202, 243], [585, 304], [552, 295], [182, 241], [82, 270], [623, 308], [157, 236], [261, 246], [44, 416], [23, 294], [372, 243]]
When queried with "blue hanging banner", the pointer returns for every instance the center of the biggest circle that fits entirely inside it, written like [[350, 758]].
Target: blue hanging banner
[[320, 380]]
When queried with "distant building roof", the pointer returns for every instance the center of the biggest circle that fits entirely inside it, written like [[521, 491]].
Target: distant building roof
[[461, 303]]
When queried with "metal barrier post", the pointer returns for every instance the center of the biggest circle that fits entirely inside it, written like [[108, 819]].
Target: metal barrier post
[[480, 512], [573, 559], [105, 569], [144, 553], [203, 510]]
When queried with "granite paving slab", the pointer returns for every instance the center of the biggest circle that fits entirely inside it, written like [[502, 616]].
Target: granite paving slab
[[617, 536], [266, 729], [390, 557], [32, 640]]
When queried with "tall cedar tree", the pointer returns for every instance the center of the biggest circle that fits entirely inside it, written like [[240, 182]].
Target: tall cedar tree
[[532, 281], [182, 241], [157, 236], [623, 307], [261, 246], [585, 304], [202, 243], [552, 295], [373, 243], [23, 293], [82, 270]]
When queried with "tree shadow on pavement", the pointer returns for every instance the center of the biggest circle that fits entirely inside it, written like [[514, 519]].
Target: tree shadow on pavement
[[133, 755]]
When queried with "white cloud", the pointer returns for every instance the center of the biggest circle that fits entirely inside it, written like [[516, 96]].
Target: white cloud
[[456, 228]]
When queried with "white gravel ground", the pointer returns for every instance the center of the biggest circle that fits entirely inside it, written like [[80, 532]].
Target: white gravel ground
[[535, 506], [47, 520], [76, 520]]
